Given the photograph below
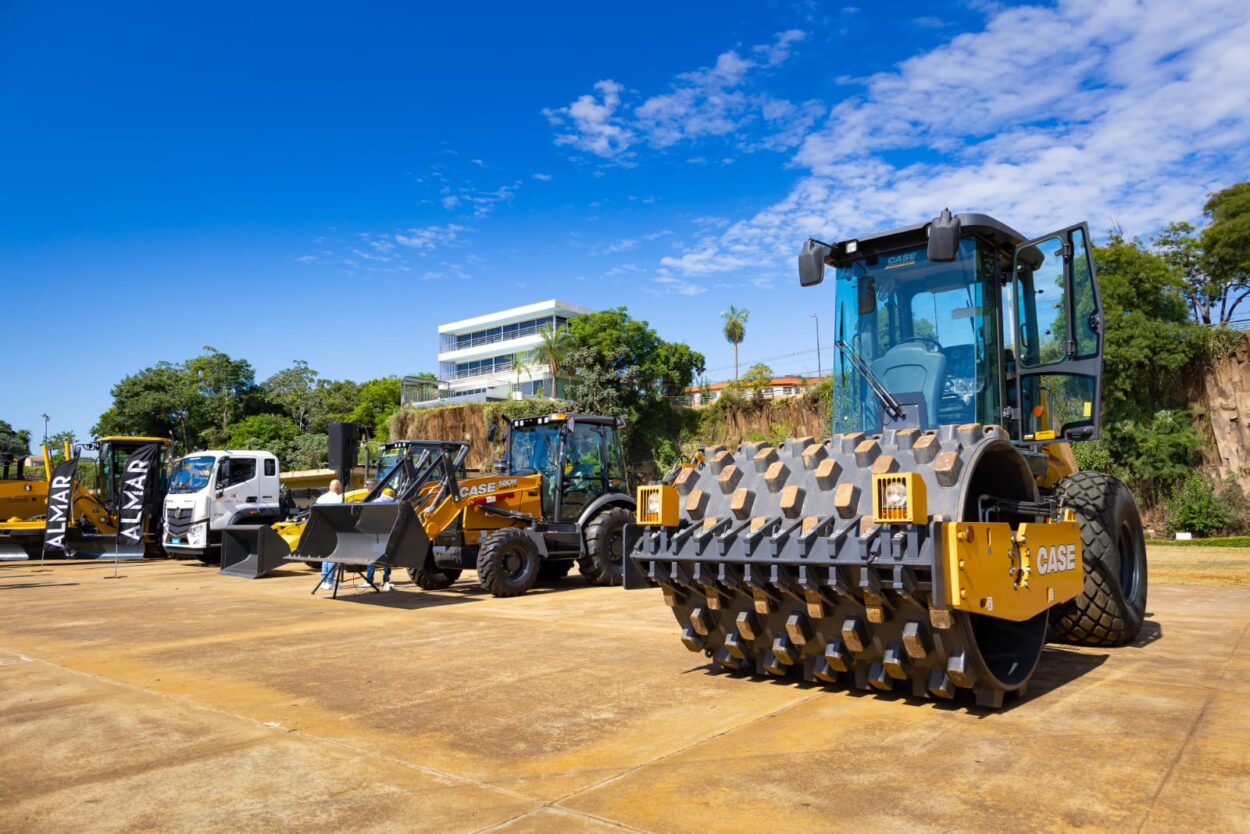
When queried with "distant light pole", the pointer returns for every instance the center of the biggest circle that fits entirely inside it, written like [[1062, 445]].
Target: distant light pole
[[46, 418], [819, 369]]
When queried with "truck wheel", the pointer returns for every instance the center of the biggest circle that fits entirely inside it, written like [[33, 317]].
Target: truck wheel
[[507, 563], [433, 580], [1111, 608], [551, 570], [604, 562]]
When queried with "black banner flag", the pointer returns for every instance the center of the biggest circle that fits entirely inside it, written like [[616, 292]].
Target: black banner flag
[[136, 483], [60, 509]]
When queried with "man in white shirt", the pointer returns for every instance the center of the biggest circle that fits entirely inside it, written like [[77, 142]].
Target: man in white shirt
[[333, 495]]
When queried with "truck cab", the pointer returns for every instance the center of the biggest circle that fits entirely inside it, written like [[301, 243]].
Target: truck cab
[[211, 490]]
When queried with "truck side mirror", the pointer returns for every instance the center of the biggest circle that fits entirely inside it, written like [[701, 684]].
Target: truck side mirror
[[943, 237], [812, 263], [492, 432]]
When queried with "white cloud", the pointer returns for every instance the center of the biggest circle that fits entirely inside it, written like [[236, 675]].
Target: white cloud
[[1127, 112], [450, 202], [594, 122], [429, 238], [622, 245], [306, 259], [714, 101], [542, 177], [667, 285]]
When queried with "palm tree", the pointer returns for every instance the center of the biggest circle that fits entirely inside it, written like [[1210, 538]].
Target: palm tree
[[735, 330], [521, 364], [553, 351]]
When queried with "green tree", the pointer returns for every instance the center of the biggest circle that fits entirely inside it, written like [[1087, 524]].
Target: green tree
[[225, 386], [553, 350], [756, 379], [160, 401], [13, 441], [270, 432], [1150, 339], [376, 401], [735, 330], [1226, 247], [620, 366], [337, 400], [295, 389]]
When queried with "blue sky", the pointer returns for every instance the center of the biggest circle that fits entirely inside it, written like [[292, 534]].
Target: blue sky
[[308, 181]]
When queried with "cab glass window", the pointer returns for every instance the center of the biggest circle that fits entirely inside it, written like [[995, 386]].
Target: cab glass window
[[1041, 304], [1085, 328]]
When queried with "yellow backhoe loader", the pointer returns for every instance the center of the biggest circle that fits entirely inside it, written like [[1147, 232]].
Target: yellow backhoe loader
[[558, 497], [93, 502]]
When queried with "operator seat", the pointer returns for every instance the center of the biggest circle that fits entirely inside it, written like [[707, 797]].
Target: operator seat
[[914, 368]]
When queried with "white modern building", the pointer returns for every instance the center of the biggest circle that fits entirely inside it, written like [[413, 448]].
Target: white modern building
[[478, 357]]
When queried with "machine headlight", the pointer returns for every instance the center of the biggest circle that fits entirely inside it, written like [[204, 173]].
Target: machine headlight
[[896, 496], [195, 536], [653, 504]]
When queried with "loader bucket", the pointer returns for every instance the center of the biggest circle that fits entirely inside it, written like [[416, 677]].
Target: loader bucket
[[364, 534], [251, 551]]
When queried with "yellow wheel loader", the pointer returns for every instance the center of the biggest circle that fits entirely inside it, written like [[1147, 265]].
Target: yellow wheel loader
[[943, 533], [559, 497], [93, 501]]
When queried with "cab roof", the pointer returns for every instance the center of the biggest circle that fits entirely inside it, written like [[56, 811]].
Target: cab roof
[[126, 438], [565, 417], [970, 223]]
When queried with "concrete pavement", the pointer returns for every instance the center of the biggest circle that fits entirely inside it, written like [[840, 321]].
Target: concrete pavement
[[176, 699]]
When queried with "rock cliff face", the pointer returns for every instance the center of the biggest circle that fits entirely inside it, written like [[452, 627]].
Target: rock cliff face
[[1226, 395]]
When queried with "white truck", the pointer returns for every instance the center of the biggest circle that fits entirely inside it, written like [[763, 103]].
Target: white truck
[[211, 490]]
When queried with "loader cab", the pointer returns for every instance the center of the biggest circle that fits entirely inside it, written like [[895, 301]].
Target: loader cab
[[578, 455], [963, 320]]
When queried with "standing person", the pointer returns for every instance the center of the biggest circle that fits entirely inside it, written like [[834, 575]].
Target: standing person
[[387, 496], [333, 495]]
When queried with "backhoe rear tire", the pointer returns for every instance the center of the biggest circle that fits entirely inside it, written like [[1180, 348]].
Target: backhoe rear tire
[[604, 562], [433, 580], [1111, 608], [508, 563]]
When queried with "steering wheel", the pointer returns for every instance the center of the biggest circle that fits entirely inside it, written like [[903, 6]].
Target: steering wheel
[[932, 344]]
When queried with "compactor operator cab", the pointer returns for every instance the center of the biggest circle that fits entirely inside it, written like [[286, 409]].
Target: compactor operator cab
[[963, 320], [578, 455]]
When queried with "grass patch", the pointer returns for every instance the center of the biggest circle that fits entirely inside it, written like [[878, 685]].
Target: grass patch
[[1229, 541]]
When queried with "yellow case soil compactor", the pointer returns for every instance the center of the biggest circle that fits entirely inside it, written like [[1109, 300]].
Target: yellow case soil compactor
[[943, 533]]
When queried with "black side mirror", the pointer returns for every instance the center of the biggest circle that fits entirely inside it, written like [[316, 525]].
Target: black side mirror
[[492, 432], [943, 237], [223, 473], [812, 263]]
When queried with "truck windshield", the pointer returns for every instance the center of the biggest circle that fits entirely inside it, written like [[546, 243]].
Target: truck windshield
[[926, 330], [191, 474]]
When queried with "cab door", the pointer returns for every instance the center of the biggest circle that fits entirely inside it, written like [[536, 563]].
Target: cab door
[[236, 488], [1057, 320]]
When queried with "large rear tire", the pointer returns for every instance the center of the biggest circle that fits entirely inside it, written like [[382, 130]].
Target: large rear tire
[[604, 562], [508, 563], [1111, 608], [433, 580]]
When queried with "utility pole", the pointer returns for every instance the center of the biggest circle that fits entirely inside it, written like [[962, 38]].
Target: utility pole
[[819, 371], [45, 428]]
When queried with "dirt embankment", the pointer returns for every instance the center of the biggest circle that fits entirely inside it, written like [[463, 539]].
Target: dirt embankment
[[1225, 398]]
